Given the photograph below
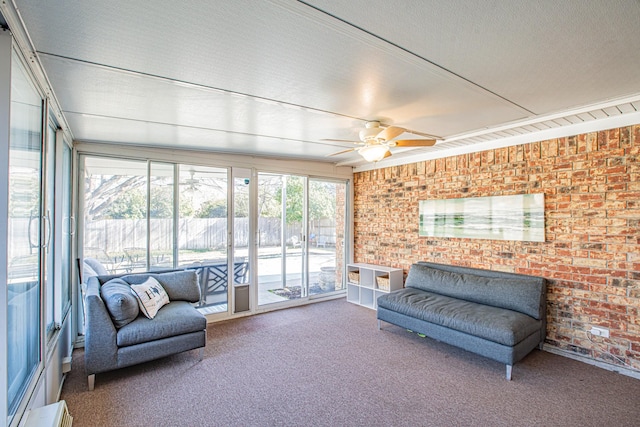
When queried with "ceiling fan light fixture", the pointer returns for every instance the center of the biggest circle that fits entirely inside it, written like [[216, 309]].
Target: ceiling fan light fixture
[[373, 153]]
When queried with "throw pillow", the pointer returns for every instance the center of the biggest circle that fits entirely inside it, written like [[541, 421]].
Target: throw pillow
[[121, 304], [151, 297]]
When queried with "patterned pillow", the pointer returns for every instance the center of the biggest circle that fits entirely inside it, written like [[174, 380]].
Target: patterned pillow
[[151, 297], [121, 305]]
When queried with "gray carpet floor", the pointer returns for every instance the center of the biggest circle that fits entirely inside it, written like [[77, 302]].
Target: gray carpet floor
[[326, 364]]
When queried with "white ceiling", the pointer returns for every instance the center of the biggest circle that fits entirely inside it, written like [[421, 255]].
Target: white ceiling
[[275, 78]]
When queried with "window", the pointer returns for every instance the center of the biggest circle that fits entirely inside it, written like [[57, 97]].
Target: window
[[66, 226], [115, 211], [141, 215], [150, 215], [49, 229], [327, 216], [23, 229], [301, 237], [281, 242]]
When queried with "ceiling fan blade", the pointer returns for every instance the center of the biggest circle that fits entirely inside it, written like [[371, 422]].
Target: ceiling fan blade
[[415, 142], [390, 132], [387, 154], [426, 135], [342, 152], [340, 140]]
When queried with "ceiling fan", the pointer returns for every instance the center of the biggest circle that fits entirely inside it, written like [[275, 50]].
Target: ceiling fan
[[376, 140], [191, 183]]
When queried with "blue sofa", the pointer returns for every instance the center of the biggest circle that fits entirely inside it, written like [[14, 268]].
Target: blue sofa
[[498, 315], [114, 341]]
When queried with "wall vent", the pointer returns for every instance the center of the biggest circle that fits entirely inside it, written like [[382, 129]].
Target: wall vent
[[54, 415]]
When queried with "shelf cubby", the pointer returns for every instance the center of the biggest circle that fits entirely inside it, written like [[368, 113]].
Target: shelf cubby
[[364, 286]]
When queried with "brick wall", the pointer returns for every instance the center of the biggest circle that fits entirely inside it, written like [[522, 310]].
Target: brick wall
[[591, 256]]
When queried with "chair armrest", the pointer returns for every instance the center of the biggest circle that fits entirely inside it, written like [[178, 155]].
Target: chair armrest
[[100, 348]]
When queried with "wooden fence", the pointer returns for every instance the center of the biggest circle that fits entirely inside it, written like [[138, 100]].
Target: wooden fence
[[113, 236]]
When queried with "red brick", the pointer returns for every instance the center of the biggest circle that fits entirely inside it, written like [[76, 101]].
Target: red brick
[[592, 203]]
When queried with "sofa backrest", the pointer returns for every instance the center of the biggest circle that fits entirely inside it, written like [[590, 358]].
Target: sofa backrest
[[180, 285], [518, 292], [93, 267]]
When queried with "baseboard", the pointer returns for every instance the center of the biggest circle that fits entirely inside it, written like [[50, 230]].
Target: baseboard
[[609, 367], [278, 306], [79, 342]]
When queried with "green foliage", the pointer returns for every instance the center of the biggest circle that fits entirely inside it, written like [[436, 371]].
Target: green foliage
[[186, 208], [128, 205], [218, 209], [161, 204], [295, 199], [130, 201], [212, 209], [132, 204], [322, 199]]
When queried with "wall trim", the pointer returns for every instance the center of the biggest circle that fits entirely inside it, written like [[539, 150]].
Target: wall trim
[[207, 158], [603, 365], [622, 120]]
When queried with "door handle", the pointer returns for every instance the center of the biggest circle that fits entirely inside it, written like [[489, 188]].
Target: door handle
[[32, 245], [47, 219]]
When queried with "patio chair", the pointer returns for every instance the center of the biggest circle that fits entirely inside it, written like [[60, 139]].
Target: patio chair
[[136, 258], [214, 277], [322, 241]]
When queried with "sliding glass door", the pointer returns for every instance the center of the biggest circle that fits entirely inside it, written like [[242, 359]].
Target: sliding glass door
[[36, 250], [327, 216], [25, 221], [281, 238], [202, 231], [241, 230], [65, 225], [48, 259], [301, 227]]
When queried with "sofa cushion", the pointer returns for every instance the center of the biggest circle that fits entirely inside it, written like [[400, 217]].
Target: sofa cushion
[[151, 296], [516, 294], [180, 285], [176, 318], [95, 266], [121, 304], [495, 324]]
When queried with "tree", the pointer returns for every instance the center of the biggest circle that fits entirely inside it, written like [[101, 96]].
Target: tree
[[212, 209], [322, 199], [269, 196], [129, 205], [102, 191], [295, 199]]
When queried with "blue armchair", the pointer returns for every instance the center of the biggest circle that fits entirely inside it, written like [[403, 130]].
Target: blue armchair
[[177, 326]]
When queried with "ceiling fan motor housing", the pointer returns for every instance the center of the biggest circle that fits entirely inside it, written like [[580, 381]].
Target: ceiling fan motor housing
[[370, 132]]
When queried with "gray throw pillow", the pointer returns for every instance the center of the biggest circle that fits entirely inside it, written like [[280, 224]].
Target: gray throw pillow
[[121, 303]]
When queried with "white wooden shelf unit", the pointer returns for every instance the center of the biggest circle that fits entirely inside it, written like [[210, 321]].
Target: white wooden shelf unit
[[364, 287]]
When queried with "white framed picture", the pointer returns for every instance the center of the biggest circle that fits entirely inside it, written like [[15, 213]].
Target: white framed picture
[[517, 217]]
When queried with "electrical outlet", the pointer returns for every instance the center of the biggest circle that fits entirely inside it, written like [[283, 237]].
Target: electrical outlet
[[599, 332]]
